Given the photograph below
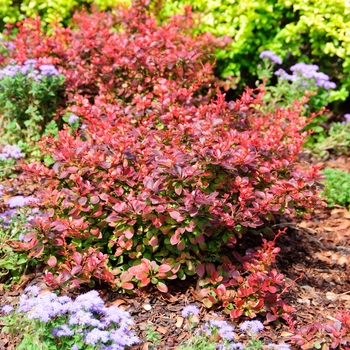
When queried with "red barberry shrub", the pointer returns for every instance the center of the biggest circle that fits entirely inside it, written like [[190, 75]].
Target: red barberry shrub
[[121, 55], [171, 188], [163, 178]]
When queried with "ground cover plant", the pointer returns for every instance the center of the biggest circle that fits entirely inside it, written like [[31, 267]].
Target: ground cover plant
[[337, 187], [337, 140]]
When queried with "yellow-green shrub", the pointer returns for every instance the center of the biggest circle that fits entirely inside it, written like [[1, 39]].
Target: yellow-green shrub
[[313, 31], [49, 10]]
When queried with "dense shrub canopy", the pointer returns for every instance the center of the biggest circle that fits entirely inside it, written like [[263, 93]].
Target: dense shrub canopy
[[161, 175]]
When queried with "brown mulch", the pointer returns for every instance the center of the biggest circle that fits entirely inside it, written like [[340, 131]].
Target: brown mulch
[[318, 250]]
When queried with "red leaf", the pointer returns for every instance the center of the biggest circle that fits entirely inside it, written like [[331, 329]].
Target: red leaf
[[200, 269], [127, 285], [94, 199], [153, 241], [175, 238], [145, 282], [176, 215], [76, 269], [52, 261], [126, 276], [164, 268], [270, 317], [77, 257], [129, 233], [236, 313], [82, 200], [162, 287]]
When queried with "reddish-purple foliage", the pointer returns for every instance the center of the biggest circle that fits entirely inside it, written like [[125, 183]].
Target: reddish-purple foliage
[[248, 288], [163, 177], [173, 187], [324, 336]]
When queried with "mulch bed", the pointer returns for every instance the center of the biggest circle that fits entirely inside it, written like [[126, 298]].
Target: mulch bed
[[318, 250]]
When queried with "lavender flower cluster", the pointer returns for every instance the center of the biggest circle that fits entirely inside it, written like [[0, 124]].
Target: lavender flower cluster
[[226, 331], [300, 71], [6, 217], [270, 55], [29, 70], [20, 201], [11, 151], [305, 72], [107, 328]]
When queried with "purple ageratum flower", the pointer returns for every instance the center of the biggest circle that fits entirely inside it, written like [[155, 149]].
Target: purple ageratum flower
[[310, 71], [6, 216], [271, 56], [33, 290], [112, 347], [7, 309], [20, 201], [114, 314], [224, 329], [82, 318], [237, 346], [282, 346], [252, 327], [285, 76], [9, 71], [96, 336], [306, 70], [327, 85], [31, 62], [48, 70], [28, 66], [123, 337], [44, 306], [73, 118], [75, 347], [25, 70], [11, 151], [190, 310], [90, 301], [347, 117], [64, 331]]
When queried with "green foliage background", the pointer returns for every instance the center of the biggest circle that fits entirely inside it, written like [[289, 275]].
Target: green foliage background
[[12, 11], [312, 31]]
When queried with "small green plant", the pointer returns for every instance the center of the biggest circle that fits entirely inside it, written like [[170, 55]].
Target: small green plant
[[13, 264], [152, 335], [53, 322], [337, 187], [337, 140], [30, 95]]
